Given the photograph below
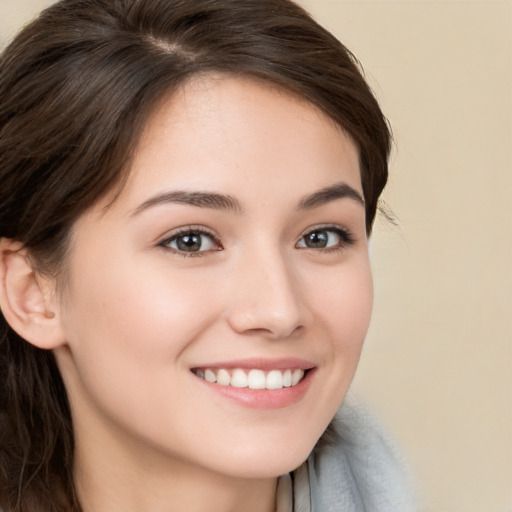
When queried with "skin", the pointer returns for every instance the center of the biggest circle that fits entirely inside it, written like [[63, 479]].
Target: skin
[[138, 314]]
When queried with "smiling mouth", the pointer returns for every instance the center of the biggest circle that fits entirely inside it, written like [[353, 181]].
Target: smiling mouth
[[252, 379]]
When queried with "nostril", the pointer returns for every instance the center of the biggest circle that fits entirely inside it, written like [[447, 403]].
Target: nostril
[[273, 332]]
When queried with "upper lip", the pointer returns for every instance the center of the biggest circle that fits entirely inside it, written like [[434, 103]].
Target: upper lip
[[261, 364]]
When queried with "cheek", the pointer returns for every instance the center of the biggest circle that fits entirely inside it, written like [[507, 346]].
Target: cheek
[[127, 327], [344, 305], [139, 308], [344, 311], [354, 309], [341, 311]]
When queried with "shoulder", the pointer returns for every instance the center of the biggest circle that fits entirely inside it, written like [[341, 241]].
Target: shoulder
[[358, 468]]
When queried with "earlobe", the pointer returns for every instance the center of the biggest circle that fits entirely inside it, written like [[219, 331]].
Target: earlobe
[[29, 306]]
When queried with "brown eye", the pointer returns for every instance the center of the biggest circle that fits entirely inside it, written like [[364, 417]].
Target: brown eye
[[191, 242], [325, 238], [317, 239]]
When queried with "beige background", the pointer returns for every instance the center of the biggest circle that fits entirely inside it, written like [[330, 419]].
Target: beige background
[[437, 367]]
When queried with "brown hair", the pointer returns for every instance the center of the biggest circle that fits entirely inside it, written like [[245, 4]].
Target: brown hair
[[76, 86]]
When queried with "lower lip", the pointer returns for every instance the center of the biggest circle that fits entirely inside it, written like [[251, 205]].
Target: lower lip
[[264, 398]]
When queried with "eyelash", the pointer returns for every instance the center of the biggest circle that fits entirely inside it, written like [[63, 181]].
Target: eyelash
[[346, 239], [190, 230]]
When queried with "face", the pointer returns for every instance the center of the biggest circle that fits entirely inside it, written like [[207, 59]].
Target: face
[[216, 310]]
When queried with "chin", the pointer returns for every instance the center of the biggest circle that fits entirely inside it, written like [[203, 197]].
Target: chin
[[269, 459], [271, 467]]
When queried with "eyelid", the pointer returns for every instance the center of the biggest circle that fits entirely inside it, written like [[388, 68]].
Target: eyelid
[[345, 234], [184, 230]]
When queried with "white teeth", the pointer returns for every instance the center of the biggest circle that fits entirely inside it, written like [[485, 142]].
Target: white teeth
[[297, 376], [209, 376], [257, 379], [274, 380], [239, 379], [223, 378], [254, 379], [287, 378]]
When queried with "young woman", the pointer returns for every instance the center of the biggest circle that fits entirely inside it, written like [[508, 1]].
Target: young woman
[[187, 192]]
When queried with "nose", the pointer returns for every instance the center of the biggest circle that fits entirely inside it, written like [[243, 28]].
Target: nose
[[267, 297]]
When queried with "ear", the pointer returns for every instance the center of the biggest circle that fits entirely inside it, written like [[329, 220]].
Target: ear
[[28, 301]]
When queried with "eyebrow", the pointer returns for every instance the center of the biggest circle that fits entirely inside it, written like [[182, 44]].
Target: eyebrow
[[328, 194], [200, 199], [229, 203]]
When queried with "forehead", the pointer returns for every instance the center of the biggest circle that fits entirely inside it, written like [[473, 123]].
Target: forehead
[[235, 134]]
